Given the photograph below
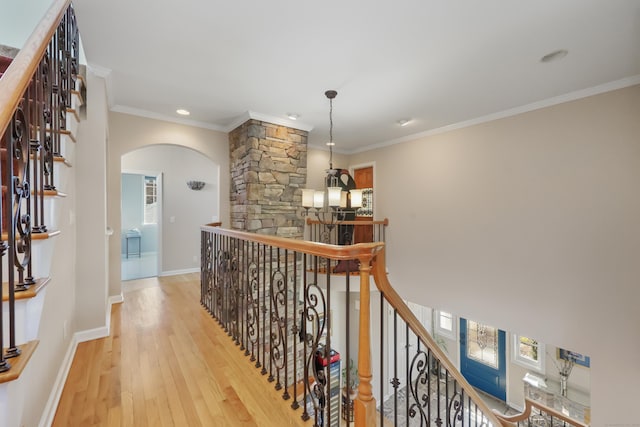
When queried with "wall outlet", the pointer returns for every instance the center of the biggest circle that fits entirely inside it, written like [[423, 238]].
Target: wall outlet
[[65, 329], [195, 258], [172, 219]]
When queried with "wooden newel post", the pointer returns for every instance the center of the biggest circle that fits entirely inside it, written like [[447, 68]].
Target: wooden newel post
[[365, 404]]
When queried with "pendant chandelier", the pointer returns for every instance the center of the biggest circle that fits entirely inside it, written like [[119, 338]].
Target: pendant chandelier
[[339, 197]]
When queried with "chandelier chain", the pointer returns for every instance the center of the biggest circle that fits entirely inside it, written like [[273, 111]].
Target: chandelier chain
[[331, 133]]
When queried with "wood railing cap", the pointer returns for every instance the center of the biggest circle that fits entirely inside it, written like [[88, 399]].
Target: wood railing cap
[[18, 75], [359, 250], [311, 221]]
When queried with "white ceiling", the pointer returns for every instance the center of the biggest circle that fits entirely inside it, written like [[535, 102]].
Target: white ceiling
[[440, 63]]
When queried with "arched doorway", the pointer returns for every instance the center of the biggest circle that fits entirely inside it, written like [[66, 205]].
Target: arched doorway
[[160, 213]]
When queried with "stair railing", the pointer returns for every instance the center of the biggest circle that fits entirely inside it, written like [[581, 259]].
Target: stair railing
[[277, 303], [35, 92]]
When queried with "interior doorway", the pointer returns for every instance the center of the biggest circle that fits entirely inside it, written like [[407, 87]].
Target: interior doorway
[[483, 357], [141, 213], [363, 176]]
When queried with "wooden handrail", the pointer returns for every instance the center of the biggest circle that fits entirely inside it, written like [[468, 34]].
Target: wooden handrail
[[385, 221], [338, 252], [528, 407], [382, 282], [15, 80]]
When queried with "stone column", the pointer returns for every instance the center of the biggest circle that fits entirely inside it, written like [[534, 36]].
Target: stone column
[[268, 170]]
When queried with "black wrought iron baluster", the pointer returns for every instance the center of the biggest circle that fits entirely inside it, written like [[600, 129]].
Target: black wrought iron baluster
[[315, 304], [270, 312], [430, 361], [305, 339], [296, 330], [235, 290], [243, 284], [278, 301], [382, 342], [202, 266], [257, 307], [4, 364], [347, 362], [16, 133], [407, 370], [263, 309], [284, 328], [37, 129], [216, 278], [21, 192], [396, 381], [327, 352]]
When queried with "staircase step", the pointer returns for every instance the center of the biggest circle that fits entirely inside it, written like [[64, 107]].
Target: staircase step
[[19, 363], [36, 236], [29, 293]]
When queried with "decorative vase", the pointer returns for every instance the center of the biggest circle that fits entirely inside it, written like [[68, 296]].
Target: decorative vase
[[563, 384]]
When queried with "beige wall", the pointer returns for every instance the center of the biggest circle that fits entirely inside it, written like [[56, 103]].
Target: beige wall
[[529, 223], [127, 133], [318, 163]]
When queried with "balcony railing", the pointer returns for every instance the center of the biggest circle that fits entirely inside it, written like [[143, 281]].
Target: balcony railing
[[298, 323]]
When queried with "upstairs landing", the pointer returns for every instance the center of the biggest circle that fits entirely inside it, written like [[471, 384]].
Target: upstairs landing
[[167, 363]]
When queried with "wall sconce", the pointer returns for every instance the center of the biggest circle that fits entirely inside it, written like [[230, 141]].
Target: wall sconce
[[195, 185]]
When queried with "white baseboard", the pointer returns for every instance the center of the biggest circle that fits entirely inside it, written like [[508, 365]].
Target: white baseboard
[[54, 397], [56, 391], [176, 272], [115, 299]]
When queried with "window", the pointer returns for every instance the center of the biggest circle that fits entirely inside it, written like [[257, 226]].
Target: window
[[445, 324], [528, 352], [150, 200]]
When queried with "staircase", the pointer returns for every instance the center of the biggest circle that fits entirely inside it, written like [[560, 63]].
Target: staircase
[[38, 128]]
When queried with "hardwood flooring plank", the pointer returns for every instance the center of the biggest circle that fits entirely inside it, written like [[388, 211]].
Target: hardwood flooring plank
[[168, 363]]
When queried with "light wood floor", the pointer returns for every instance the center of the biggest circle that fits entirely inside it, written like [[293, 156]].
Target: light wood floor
[[167, 363]]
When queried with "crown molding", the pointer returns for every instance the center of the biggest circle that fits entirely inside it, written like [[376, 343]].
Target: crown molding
[[247, 115], [549, 102], [165, 118]]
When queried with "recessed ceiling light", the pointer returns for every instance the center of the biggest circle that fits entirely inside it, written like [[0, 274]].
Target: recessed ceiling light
[[555, 55], [183, 112], [293, 116], [330, 144], [403, 122]]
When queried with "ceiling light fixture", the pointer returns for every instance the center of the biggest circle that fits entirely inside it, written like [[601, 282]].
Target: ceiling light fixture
[[404, 122], [182, 112], [554, 56], [293, 116], [341, 197]]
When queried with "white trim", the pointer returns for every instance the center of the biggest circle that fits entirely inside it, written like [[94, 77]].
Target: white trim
[[51, 406], [115, 299], [451, 334], [248, 115], [176, 272], [523, 361], [561, 99], [515, 406], [165, 118], [56, 391]]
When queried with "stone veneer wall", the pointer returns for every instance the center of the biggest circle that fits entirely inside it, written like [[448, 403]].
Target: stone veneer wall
[[268, 170]]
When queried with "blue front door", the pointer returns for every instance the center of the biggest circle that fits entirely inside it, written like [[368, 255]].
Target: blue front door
[[482, 357]]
